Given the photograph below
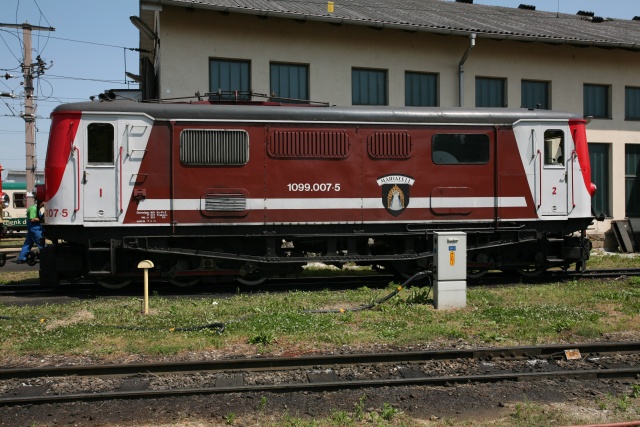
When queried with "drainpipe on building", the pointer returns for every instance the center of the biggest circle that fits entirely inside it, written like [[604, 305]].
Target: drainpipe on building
[[472, 43]]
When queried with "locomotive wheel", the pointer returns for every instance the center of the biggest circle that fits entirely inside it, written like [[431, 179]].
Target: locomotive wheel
[[250, 275], [184, 282], [250, 281], [113, 282], [531, 271], [476, 273]]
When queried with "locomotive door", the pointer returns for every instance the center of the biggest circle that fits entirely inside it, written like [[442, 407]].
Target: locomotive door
[[552, 159], [100, 176]]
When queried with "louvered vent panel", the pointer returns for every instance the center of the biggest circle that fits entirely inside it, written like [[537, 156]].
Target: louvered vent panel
[[309, 144], [204, 147], [225, 203], [389, 145]]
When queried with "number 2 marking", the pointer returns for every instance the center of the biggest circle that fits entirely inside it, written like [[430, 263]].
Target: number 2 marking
[[554, 190]]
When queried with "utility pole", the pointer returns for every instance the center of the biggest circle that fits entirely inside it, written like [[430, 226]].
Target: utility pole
[[29, 70]]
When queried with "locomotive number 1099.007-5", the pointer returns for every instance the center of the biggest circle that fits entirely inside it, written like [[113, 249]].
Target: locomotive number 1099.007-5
[[313, 187]]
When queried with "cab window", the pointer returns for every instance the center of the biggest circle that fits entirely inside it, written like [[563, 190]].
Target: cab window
[[100, 139], [553, 147]]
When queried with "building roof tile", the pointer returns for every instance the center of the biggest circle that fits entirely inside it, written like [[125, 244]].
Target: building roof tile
[[442, 16]]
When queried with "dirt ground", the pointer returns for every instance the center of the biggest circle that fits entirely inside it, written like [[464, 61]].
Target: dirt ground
[[424, 404]]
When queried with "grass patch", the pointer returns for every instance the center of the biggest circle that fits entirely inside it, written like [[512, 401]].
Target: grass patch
[[609, 260], [17, 277], [115, 330], [520, 315], [12, 242]]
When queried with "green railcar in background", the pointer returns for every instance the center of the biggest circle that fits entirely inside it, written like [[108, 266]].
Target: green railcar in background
[[14, 206]]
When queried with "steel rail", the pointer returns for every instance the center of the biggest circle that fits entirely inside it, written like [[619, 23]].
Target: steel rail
[[317, 362], [506, 353], [593, 374]]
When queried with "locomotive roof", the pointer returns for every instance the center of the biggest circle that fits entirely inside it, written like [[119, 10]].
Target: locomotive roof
[[364, 114]]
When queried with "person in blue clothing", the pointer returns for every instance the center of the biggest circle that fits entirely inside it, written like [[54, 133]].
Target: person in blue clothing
[[34, 231]]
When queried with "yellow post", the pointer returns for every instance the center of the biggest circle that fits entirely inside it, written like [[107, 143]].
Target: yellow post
[[146, 264]]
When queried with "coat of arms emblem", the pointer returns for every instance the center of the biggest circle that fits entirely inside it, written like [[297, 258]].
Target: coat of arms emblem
[[395, 192]]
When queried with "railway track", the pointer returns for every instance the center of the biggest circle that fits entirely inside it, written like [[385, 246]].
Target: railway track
[[555, 275], [51, 385], [85, 287]]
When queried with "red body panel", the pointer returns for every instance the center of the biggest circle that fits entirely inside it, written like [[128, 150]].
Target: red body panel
[[64, 127], [265, 179], [579, 133]]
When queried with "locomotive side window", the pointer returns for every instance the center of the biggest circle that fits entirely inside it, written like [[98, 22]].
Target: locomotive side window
[[457, 148], [554, 147], [100, 139], [214, 147], [19, 200]]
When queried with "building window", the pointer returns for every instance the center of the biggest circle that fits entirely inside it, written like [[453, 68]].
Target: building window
[[596, 101], [632, 103], [420, 89], [230, 76], [535, 94], [368, 87], [490, 92], [632, 179], [456, 148], [100, 143], [599, 159], [289, 81]]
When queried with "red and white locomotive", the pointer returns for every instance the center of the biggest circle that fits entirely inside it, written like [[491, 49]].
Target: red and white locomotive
[[216, 191]]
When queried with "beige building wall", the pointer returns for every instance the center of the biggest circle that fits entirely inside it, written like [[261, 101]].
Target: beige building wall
[[188, 39]]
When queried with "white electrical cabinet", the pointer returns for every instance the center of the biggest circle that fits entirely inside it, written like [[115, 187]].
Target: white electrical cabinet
[[450, 275]]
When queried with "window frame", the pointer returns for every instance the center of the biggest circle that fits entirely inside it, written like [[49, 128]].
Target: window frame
[[634, 178], [627, 103], [552, 161], [481, 91], [245, 86], [382, 79], [434, 143], [413, 78], [591, 110], [528, 86], [92, 146], [23, 199], [304, 99], [602, 182]]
